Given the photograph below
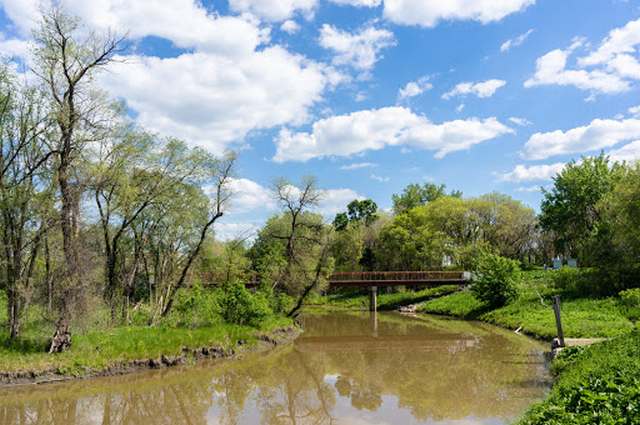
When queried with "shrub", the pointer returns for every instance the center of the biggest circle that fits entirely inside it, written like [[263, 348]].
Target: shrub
[[194, 307], [581, 283], [495, 279], [238, 305], [631, 301]]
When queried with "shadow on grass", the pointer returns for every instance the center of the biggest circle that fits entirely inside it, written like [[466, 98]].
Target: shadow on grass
[[24, 345]]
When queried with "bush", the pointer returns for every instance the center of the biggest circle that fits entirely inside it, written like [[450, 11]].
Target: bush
[[631, 301], [495, 279], [238, 305], [193, 307], [579, 283]]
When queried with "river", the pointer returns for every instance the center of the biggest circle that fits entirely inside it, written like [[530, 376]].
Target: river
[[347, 368]]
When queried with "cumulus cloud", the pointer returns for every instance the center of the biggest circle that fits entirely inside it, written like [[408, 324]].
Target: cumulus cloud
[[515, 42], [358, 3], [290, 26], [599, 134], [635, 111], [13, 48], [215, 100], [358, 165], [378, 178], [629, 152], [361, 131], [481, 89], [523, 173], [360, 50], [247, 196], [428, 13], [24, 14], [608, 69], [274, 10], [414, 88]]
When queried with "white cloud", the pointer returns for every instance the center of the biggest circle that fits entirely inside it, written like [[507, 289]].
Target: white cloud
[[346, 135], [13, 48], [215, 100], [522, 173], [599, 134], [274, 10], [620, 41], [635, 111], [332, 201], [290, 27], [378, 178], [551, 69], [232, 231], [428, 13], [522, 122], [609, 69], [358, 3], [529, 189], [481, 89], [358, 165], [515, 42], [629, 152], [414, 88], [359, 50], [247, 196], [25, 14]]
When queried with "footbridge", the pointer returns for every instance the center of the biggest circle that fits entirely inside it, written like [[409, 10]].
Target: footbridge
[[373, 280]]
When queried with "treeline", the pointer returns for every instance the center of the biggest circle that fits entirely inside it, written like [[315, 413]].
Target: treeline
[[92, 207]]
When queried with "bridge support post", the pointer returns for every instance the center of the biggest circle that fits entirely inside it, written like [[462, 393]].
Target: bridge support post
[[373, 298]]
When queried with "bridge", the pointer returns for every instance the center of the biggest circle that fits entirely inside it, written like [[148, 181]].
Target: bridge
[[401, 278], [373, 280]]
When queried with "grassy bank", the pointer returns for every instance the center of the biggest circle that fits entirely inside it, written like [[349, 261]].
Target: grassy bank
[[599, 384], [96, 345], [386, 301], [532, 311]]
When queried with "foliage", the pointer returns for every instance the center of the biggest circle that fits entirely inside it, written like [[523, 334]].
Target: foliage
[[574, 283], [495, 279], [533, 314], [601, 386], [630, 299], [239, 306], [415, 195], [386, 301], [569, 209]]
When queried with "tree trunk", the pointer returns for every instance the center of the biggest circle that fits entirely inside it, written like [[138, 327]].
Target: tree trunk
[[61, 340]]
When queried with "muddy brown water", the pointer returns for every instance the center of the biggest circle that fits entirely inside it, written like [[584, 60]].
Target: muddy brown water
[[346, 368]]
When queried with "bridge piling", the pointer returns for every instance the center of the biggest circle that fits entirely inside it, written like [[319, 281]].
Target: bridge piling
[[373, 298]]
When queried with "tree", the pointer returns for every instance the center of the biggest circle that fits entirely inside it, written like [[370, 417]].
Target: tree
[[25, 192], [415, 195], [495, 279], [569, 209], [66, 65]]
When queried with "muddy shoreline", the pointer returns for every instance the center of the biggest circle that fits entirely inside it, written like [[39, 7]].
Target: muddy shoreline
[[265, 342]]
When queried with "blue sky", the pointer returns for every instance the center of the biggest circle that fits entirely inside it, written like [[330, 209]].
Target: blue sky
[[371, 95]]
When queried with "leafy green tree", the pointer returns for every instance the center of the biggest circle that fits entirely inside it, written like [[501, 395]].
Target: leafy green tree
[[495, 279], [569, 210], [415, 195], [362, 211]]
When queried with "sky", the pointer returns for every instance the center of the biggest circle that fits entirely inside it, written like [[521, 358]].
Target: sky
[[371, 95]]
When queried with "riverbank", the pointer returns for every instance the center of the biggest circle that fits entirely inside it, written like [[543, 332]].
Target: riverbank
[[125, 350], [599, 384]]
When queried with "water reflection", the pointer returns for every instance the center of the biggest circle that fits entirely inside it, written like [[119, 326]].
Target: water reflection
[[346, 369]]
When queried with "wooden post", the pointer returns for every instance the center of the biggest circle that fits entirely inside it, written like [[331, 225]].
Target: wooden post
[[556, 310], [373, 298]]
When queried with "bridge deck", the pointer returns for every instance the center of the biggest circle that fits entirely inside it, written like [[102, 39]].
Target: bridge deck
[[421, 278]]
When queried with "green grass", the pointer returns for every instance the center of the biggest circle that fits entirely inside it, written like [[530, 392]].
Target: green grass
[[532, 311], [96, 346], [599, 384], [99, 349], [390, 301]]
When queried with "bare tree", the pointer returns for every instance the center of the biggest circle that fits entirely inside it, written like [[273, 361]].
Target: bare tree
[[295, 201], [220, 197], [66, 65]]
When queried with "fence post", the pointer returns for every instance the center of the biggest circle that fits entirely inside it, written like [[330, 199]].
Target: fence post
[[556, 310], [373, 298]]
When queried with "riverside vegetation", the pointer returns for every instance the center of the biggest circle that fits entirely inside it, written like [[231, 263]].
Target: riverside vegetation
[[109, 250]]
